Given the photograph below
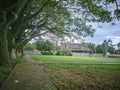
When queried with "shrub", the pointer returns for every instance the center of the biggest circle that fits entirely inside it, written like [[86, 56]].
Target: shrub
[[4, 72], [44, 52], [51, 52], [47, 52], [59, 53], [29, 47], [64, 53], [67, 53]]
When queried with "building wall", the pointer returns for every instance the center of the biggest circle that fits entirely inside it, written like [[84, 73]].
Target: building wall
[[27, 52], [96, 55], [87, 54], [80, 54]]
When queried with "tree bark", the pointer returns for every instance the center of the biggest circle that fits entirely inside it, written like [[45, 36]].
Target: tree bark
[[4, 54], [13, 54]]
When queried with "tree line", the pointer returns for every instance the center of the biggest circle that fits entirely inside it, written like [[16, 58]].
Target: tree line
[[105, 47], [47, 46]]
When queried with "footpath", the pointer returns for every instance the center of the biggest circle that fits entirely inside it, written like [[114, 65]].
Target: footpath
[[28, 76]]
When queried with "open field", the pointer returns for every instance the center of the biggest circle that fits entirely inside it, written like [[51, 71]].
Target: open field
[[45, 58], [83, 77]]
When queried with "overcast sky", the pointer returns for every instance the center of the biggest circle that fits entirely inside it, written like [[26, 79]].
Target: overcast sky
[[107, 31]]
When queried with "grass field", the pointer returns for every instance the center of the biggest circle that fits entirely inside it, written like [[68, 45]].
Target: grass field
[[45, 58], [81, 77]]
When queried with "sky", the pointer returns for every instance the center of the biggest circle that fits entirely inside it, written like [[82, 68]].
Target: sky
[[107, 31]]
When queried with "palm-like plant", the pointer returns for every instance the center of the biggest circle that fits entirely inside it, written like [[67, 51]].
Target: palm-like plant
[[106, 44], [118, 45]]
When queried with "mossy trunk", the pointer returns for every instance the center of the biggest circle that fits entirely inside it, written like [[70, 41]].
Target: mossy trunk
[[13, 54], [4, 54], [19, 52]]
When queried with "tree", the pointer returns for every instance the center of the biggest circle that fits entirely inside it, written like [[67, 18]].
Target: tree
[[99, 49], [9, 11], [30, 47], [92, 46], [111, 48], [34, 21], [118, 45], [106, 44], [44, 45]]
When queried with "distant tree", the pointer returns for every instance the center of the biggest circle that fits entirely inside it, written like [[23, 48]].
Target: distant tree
[[39, 45], [111, 49], [30, 47], [91, 46], [118, 45], [106, 44], [48, 46], [44, 45], [99, 49]]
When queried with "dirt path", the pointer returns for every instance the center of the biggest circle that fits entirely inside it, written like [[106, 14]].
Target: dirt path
[[27, 76]]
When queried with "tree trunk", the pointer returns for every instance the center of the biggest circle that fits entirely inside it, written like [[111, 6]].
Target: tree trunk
[[4, 54], [18, 54], [22, 52], [106, 52], [13, 54]]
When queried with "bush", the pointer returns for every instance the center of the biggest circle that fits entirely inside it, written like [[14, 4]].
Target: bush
[[44, 52], [47, 52], [64, 53], [67, 53], [29, 47], [4, 72], [51, 52], [59, 53]]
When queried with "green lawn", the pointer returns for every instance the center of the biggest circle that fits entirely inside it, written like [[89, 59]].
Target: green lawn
[[46, 58]]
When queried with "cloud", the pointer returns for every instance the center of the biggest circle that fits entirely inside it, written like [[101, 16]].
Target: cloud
[[107, 31], [115, 39], [112, 37]]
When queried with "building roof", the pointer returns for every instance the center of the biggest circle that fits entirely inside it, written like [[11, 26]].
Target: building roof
[[74, 47]]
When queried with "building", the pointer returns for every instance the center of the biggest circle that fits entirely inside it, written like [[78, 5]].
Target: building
[[76, 49]]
